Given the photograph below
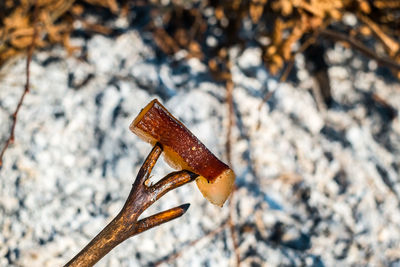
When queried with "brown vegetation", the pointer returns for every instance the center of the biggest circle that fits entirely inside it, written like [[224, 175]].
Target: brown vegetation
[[207, 29]]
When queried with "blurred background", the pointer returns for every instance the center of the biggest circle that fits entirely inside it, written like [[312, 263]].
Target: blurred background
[[300, 97]]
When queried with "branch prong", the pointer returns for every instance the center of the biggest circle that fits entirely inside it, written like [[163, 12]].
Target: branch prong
[[147, 167], [126, 224], [172, 181], [160, 218]]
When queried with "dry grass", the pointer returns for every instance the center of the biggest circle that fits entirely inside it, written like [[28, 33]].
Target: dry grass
[[207, 29], [276, 27]]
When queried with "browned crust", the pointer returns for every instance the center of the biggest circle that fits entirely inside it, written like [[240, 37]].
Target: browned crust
[[183, 150]]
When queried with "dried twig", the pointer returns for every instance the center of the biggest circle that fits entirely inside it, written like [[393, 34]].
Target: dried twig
[[231, 117], [290, 63], [126, 224], [286, 72], [231, 224], [231, 120], [392, 46], [337, 36], [30, 50]]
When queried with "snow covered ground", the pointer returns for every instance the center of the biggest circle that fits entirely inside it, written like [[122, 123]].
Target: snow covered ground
[[316, 187]]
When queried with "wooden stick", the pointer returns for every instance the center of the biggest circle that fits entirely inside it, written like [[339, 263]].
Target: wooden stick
[[126, 224], [30, 50]]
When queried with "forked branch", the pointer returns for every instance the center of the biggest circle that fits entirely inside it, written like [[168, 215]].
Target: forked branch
[[126, 223]]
